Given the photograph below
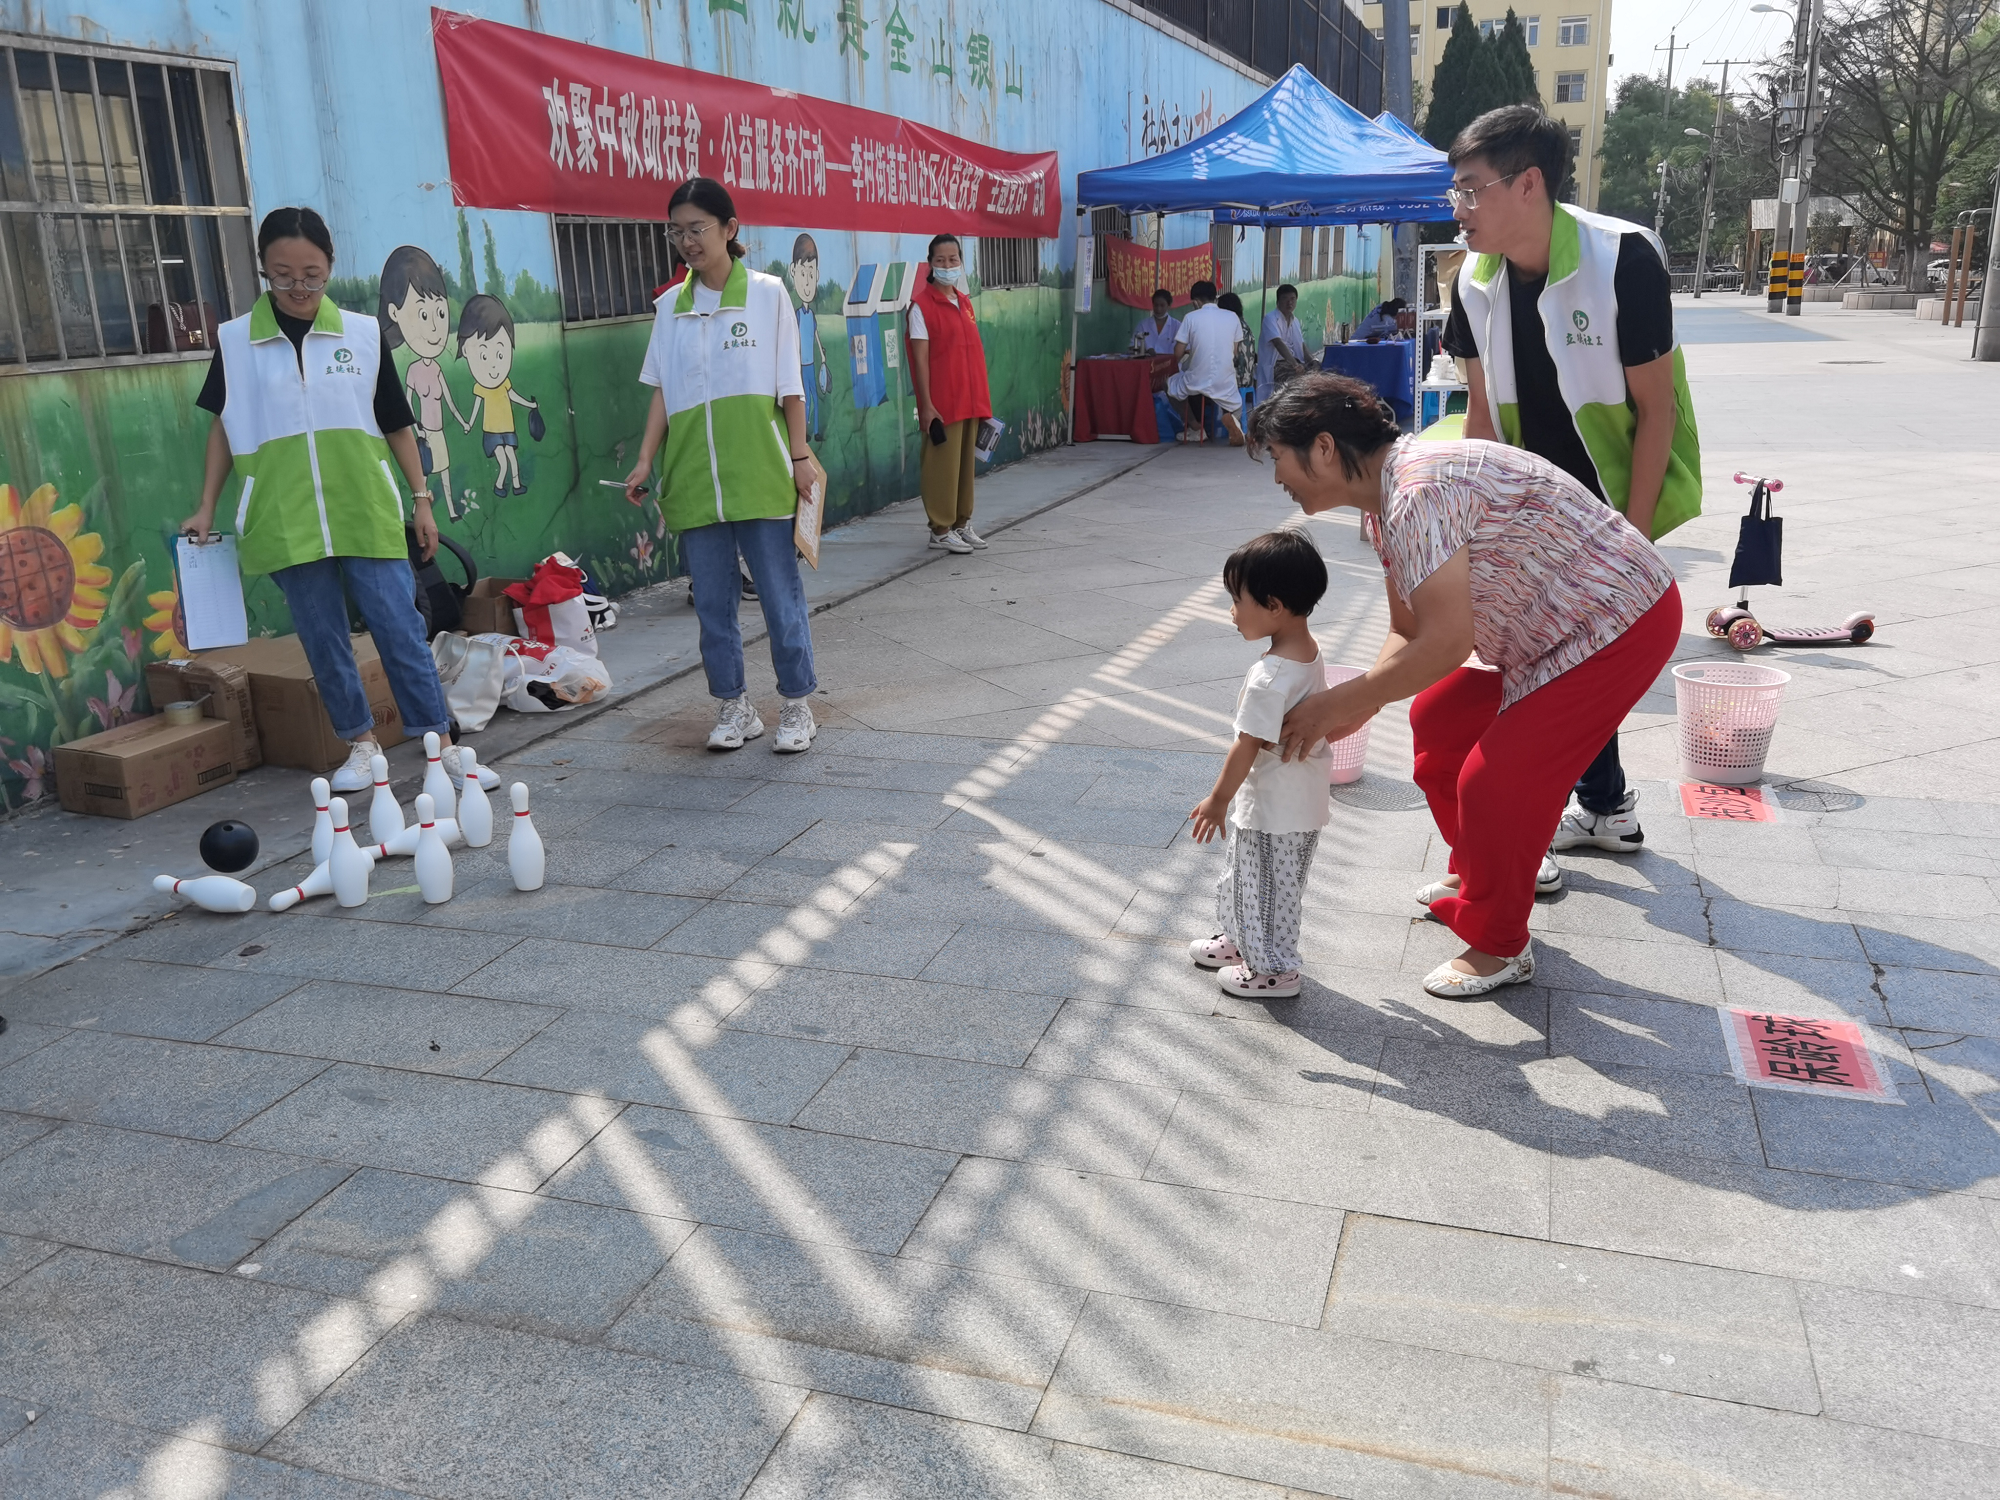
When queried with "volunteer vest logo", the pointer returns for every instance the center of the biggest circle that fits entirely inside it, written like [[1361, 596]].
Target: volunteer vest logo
[[739, 337], [343, 356], [1581, 319], [343, 363], [1582, 334]]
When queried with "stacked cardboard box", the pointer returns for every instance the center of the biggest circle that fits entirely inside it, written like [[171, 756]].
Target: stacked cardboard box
[[293, 728], [139, 768]]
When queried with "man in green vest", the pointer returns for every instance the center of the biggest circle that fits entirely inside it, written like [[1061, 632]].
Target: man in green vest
[[1563, 323]]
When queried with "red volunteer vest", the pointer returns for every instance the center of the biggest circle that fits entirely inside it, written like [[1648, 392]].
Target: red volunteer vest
[[958, 359]]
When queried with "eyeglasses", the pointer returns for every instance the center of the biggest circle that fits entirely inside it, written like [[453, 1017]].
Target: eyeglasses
[[1469, 197], [679, 235], [284, 284]]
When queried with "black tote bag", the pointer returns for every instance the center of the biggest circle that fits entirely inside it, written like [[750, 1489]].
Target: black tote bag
[[1760, 545]]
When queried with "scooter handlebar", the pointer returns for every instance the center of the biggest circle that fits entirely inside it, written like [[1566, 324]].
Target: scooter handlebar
[[1773, 485]]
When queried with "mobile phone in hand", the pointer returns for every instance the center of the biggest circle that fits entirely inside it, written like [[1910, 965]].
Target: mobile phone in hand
[[937, 431]]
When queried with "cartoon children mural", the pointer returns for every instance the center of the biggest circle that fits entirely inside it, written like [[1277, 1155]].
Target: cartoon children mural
[[486, 343], [815, 373], [415, 310]]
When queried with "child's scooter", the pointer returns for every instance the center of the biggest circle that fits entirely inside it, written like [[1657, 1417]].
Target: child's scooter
[[1759, 561]]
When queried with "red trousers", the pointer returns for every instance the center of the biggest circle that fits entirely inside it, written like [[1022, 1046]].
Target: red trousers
[[1497, 782]]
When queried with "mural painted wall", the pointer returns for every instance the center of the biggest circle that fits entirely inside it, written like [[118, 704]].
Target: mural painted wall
[[521, 412]]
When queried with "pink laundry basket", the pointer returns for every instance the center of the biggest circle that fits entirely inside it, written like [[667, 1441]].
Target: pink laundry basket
[[1351, 753], [1728, 711]]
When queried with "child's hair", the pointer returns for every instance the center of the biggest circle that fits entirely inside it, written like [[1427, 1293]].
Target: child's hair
[[408, 269], [484, 316], [1280, 569]]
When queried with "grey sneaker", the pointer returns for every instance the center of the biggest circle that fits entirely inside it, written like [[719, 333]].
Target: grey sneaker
[[735, 721], [970, 537], [1617, 831], [796, 728], [358, 774]]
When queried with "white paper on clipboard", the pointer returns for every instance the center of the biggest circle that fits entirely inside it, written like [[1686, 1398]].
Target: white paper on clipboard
[[810, 514], [211, 593]]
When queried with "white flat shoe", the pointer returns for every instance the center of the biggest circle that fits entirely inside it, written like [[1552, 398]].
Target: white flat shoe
[[1448, 983], [1435, 891]]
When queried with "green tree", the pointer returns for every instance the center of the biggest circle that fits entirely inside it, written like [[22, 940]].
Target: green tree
[[467, 283], [1469, 80], [1646, 127], [496, 283], [1517, 71]]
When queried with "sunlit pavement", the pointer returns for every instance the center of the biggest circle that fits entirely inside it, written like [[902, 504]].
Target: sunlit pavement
[[853, 1124]]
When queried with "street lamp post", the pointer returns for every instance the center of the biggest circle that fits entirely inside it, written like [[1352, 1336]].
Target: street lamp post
[[1708, 195], [1660, 206], [1809, 121], [1781, 232]]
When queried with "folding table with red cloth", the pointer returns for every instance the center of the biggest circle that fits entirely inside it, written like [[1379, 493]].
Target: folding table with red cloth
[[1114, 396]]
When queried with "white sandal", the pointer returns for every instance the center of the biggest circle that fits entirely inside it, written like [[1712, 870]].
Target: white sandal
[[1239, 981], [1214, 952], [1435, 891], [1448, 983]]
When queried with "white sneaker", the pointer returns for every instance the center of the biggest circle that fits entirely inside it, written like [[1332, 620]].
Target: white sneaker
[[357, 775], [1548, 879], [735, 721], [796, 728], [454, 767], [972, 538], [949, 541], [1617, 831]]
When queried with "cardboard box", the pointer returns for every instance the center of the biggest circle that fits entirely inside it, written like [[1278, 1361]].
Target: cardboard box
[[139, 768], [293, 728], [226, 687], [488, 609]]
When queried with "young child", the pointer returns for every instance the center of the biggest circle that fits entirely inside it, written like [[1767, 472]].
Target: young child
[[1274, 810]]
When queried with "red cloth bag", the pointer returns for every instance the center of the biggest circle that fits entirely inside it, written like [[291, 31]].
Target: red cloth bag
[[549, 606]]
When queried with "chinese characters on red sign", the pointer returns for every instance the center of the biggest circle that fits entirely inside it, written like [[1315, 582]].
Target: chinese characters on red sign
[[1798, 1053], [1131, 276], [552, 126], [1728, 804]]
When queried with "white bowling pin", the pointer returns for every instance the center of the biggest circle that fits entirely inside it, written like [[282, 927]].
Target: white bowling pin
[[322, 821], [444, 797], [209, 892], [524, 845], [433, 859], [385, 814], [319, 883], [350, 866], [475, 813], [404, 844]]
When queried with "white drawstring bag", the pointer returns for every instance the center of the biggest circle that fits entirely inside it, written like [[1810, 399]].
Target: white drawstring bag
[[475, 670]]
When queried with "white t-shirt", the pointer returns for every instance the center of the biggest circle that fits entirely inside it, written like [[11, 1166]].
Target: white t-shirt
[[1285, 331], [706, 298], [1211, 334], [1156, 340], [919, 329], [1279, 796]]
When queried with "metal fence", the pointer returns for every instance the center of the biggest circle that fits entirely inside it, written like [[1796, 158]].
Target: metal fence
[[1323, 36]]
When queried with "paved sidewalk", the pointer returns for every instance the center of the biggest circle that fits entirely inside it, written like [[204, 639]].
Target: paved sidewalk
[[853, 1124]]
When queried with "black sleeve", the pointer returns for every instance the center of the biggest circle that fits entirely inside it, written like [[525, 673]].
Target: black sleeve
[[213, 392], [392, 403], [1645, 302], [1458, 341]]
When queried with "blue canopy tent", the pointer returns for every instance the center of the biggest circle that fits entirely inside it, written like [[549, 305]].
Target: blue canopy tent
[[1299, 155]]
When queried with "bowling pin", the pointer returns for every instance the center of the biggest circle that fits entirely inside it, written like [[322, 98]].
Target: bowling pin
[[319, 883], [524, 845], [385, 814], [404, 844], [475, 813], [349, 866], [209, 892], [437, 781], [322, 821], [433, 859]]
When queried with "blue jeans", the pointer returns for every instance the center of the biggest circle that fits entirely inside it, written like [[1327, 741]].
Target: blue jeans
[[1601, 787], [710, 553], [384, 590]]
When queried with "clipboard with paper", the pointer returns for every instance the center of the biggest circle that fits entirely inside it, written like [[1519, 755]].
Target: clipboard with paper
[[809, 516], [211, 592]]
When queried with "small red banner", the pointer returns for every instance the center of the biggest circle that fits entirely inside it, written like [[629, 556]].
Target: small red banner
[[1131, 275], [1795, 1052], [1728, 804], [538, 123]]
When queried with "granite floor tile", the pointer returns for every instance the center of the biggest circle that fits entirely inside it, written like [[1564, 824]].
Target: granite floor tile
[[1937, 1000], [593, 861], [766, 1179], [1759, 926], [1945, 1143], [491, 1133], [826, 885], [22, 1037], [490, 1255], [1151, 828], [624, 919], [1617, 966], [808, 802], [618, 981], [1392, 1004], [1912, 1364], [143, 999], [741, 833], [134, 1193], [1951, 943], [172, 1348], [680, 1064], [1434, 1170], [890, 1329], [17, 1131], [396, 1028], [18, 1256], [1088, 1123], [424, 958], [1192, 1247], [1294, 1406], [1627, 1318], [1636, 1031], [900, 1015], [179, 1088], [451, 1409], [191, 936], [838, 1447], [675, 871], [1823, 987], [858, 941]]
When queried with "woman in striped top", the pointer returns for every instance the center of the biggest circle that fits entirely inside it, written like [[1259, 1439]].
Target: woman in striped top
[[1491, 549]]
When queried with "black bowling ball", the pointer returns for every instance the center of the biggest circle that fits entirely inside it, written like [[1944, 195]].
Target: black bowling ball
[[229, 846]]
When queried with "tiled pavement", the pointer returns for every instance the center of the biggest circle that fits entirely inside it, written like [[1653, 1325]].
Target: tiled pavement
[[853, 1124]]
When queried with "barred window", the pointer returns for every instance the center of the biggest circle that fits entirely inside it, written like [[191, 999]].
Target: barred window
[[1008, 261], [124, 214], [1306, 239], [1570, 88], [1107, 223], [610, 268], [1222, 244], [1274, 255], [1325, 247]]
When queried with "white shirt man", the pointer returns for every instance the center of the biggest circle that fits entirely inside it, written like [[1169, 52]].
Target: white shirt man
[[1281, 333], [1207, 349]]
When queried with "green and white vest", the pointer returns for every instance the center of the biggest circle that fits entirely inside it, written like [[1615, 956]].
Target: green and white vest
[[317, 481], [1579, 310]]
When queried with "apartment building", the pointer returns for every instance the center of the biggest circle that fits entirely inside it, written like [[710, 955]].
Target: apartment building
[[1569, 44]]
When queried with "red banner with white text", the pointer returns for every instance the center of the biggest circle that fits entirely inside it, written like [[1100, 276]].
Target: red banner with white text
[[552, 126], [1130, 274]]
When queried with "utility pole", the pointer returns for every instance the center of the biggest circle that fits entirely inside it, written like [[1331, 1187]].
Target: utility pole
[[1667, 106], [1986, 328], [1708, 197], [1775, 291], [1809, 124], [1396, 65]]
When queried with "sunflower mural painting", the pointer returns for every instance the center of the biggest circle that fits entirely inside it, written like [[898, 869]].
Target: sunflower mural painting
[[168, 622], [55, 597]]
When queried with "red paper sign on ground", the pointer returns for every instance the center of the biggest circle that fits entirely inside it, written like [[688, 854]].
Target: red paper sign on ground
[[1728, 804], [1803, 1055]]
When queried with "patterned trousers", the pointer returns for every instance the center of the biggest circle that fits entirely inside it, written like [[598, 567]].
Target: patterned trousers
[[1258, 898]]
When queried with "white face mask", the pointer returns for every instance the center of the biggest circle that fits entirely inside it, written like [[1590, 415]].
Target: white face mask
[[948, 275]]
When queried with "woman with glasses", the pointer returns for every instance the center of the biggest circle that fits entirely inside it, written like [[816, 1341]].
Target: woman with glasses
[[729, 405], [310, 415]]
